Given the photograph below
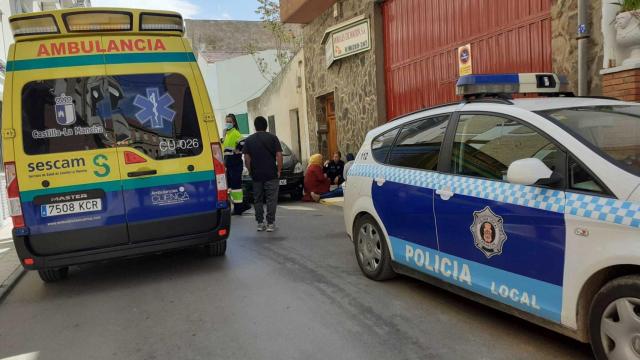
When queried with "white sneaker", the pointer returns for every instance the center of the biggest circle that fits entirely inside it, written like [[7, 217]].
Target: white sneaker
[[261, 227], [271, 227]]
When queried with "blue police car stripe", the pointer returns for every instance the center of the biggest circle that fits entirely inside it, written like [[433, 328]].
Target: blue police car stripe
[[587, 206], [544, 199], [604, 209], [534, 296]]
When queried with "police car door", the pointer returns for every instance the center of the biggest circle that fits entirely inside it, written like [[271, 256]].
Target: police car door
[[402, 192], [511, 237], [164, 155]]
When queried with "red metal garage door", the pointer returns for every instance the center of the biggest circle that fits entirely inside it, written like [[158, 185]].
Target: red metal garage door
[[421, 38]]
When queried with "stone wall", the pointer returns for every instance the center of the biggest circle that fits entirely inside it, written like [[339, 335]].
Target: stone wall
[[231, 35], [353, 80], [564, 28]]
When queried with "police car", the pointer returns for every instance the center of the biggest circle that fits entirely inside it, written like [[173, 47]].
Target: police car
[[529, 205]]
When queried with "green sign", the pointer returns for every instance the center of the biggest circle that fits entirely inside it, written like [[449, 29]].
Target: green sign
[[243, 123]]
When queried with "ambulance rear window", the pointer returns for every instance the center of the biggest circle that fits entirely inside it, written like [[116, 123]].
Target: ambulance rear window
[[64, 115], [153, 113]]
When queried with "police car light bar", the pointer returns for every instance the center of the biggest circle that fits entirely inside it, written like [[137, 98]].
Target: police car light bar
[[525, 83]]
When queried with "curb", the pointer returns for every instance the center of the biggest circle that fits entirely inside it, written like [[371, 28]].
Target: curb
[[11, 281], [332, 203]]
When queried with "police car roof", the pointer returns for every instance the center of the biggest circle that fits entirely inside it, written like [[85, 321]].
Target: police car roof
[[550, 103], [530, 104]]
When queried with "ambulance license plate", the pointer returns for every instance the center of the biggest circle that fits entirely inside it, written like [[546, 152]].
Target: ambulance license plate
[[71, 207]]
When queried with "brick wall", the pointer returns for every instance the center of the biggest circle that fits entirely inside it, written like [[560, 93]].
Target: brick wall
[[624, 85]]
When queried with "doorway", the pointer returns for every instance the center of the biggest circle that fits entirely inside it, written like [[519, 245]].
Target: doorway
[[327, 129], [332, 131]]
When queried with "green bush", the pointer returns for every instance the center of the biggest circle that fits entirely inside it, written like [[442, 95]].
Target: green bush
[[628, 5]]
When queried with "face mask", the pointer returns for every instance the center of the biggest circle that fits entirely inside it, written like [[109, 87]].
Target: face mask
[[228, 126]]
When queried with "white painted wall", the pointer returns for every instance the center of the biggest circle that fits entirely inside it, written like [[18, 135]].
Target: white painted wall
[[231, 83], [286, 93]]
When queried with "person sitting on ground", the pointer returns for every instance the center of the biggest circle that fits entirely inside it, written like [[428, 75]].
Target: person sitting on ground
[[316, 183], [334, 169]]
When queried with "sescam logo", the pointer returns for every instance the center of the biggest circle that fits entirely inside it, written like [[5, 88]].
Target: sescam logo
[[96, 46], [100, 161], [56, 164]]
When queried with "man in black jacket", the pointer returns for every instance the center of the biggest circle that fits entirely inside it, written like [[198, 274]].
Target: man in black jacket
[[263, 159]]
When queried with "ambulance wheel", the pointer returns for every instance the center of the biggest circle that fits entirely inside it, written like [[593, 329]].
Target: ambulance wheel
[[217, 248], [53, 275], [614, 320], [371, 249]]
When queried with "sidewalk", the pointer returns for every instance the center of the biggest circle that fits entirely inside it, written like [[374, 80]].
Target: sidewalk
[[10, 268]]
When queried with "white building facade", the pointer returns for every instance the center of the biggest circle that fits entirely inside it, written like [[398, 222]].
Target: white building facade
[[233, 81], [284, 104]]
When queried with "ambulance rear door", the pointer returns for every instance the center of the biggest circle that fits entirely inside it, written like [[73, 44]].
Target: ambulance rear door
[[66, 160]]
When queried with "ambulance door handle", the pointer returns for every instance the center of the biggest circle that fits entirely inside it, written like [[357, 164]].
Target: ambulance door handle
[[445, 194], [142, 173], [379, 180]]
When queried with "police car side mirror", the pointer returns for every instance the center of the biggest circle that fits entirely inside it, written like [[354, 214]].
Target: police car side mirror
[[529, 171]]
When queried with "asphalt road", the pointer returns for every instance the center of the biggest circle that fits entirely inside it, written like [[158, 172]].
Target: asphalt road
[[293, 294]]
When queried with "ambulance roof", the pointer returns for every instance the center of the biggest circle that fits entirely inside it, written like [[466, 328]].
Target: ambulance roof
[[91, 21]]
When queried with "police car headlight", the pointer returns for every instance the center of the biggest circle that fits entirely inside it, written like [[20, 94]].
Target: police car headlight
[[298, 168]]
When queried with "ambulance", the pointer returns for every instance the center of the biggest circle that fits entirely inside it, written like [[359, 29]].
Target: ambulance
[[528, 205], [109, 141]]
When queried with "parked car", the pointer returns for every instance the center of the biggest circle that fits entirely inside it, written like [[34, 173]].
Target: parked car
[[291, 179]]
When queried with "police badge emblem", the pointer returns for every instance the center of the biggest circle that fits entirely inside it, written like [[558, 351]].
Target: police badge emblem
[[488, 232]]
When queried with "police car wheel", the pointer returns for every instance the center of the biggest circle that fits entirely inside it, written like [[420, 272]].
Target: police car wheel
[[217, 248], [614, 320], [53, 275], [371, 249]]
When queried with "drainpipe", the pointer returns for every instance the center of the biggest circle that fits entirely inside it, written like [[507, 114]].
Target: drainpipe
[[583, 47]]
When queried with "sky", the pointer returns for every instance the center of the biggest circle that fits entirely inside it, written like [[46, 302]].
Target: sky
[[193, 9]]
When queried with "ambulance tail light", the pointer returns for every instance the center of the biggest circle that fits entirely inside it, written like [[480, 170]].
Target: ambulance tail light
[[218, 168], [85, 21], [13, 192], [34, 25], [161, 22]]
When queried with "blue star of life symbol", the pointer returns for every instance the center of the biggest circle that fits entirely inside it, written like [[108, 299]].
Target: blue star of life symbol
[[155, 108]]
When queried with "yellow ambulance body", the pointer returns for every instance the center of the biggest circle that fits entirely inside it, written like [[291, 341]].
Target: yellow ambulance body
[[109, 140]]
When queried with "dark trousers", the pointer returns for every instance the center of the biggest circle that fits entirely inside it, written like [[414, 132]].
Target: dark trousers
[[266, 192], [337, 192], [234, 171]]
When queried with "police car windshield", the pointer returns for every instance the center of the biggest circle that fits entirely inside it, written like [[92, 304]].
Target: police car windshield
[[613, 130]]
